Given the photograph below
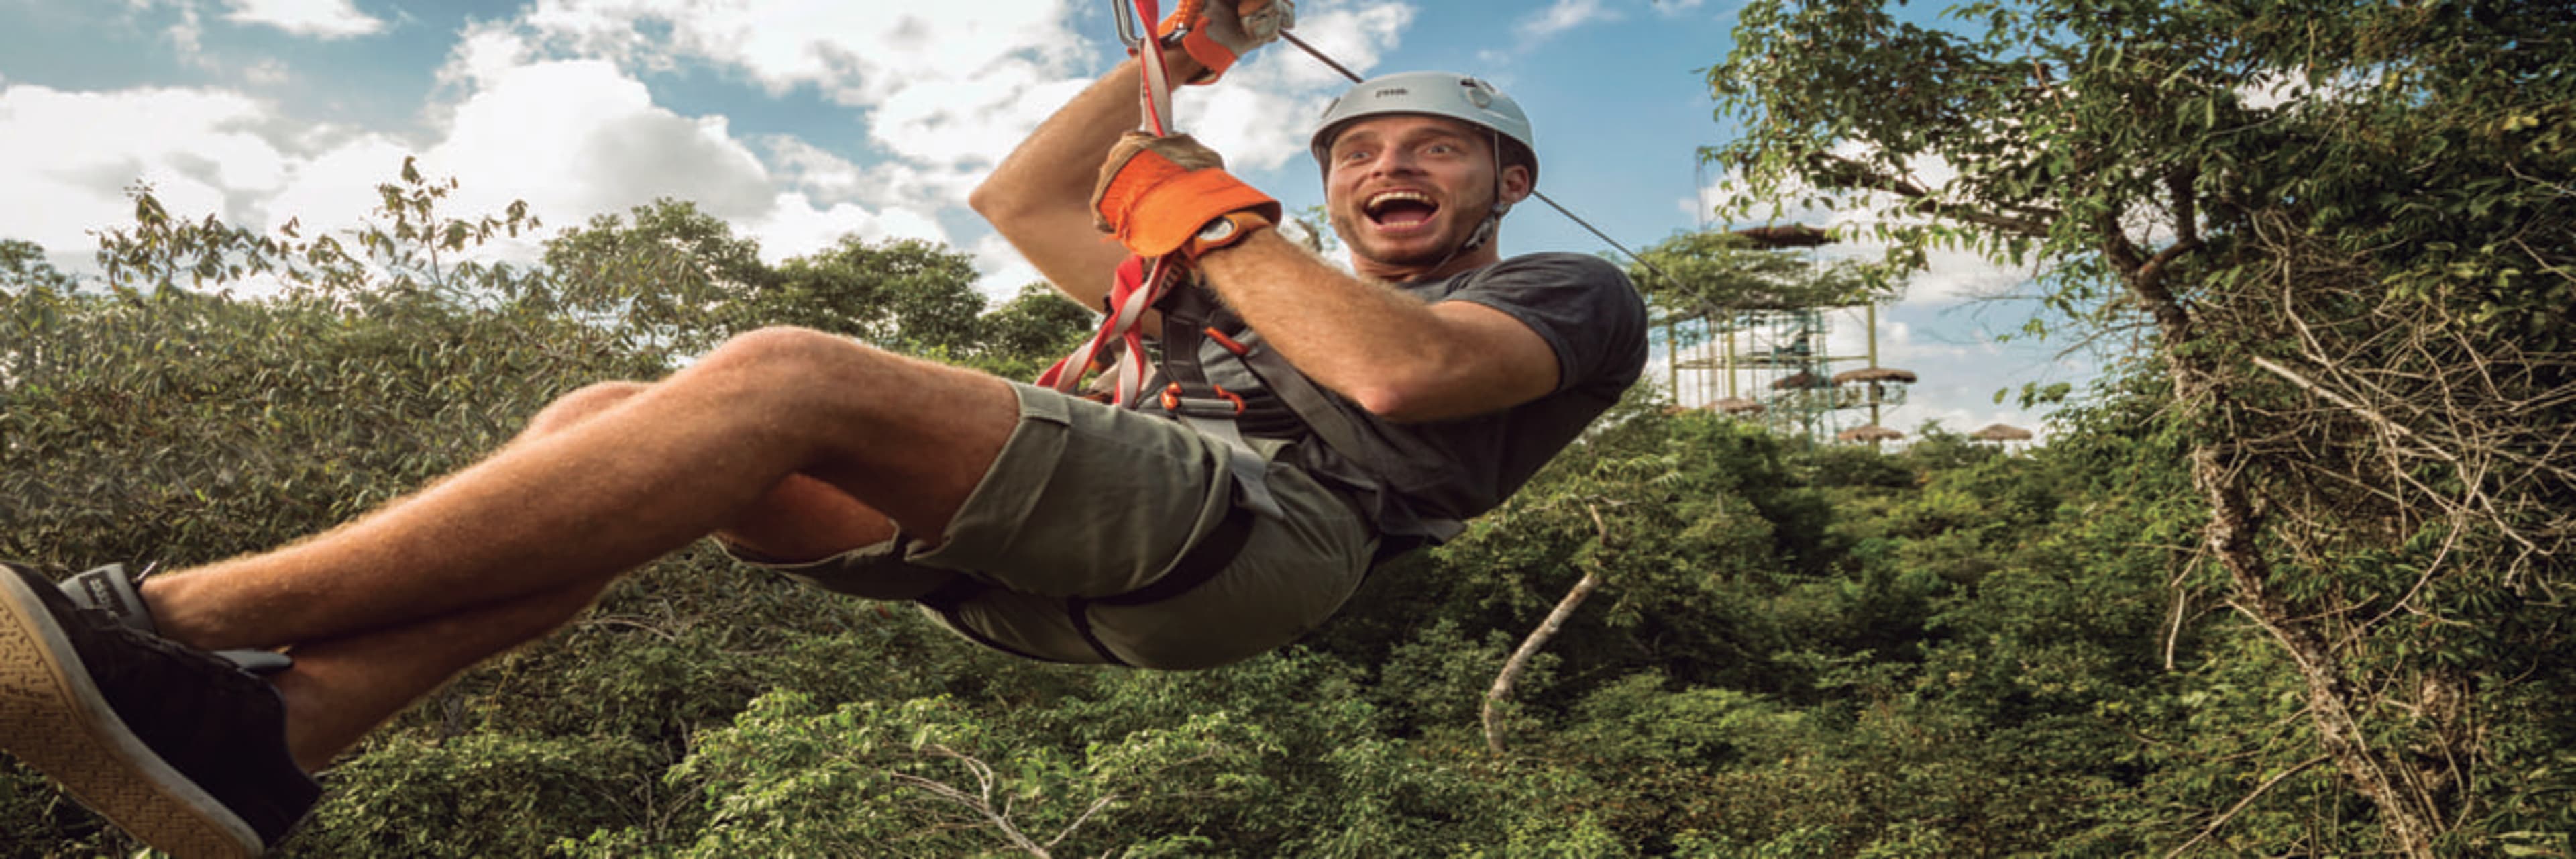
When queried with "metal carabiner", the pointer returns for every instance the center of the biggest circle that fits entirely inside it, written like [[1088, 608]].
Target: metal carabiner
[[1129, 31], [1139, 35]]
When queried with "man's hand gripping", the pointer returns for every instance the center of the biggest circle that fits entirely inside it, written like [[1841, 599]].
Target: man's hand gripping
[[1217, 32], [1161, 195]]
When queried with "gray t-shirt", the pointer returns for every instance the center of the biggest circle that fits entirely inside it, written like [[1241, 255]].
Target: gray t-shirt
[[1447, 471]]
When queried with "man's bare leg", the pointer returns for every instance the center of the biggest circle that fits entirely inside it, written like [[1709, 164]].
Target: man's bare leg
[[388, 608], [341, 689]]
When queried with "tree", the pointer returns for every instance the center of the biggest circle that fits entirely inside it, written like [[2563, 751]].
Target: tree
[[1712, 272], [906, 295], [23, 267], [2347, 231], [674, 276]]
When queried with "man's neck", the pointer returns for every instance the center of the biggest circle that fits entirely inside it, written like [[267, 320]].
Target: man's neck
[[1469, 261]]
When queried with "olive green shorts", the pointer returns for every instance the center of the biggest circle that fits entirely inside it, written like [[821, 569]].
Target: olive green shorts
[[1088, 501]]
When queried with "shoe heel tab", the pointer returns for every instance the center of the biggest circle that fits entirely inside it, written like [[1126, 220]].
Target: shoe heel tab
[[109, 589]]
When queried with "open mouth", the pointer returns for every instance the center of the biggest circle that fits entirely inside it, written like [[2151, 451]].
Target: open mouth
[[1400, 210]]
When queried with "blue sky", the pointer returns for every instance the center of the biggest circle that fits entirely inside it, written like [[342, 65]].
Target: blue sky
[[799, 121]]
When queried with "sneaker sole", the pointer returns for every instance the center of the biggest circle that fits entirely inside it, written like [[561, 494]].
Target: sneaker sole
[[56, 721]]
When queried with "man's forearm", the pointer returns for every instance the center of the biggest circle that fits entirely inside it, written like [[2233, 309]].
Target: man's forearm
[[1389, 352]]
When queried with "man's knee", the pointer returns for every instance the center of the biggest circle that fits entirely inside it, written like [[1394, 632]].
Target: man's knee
[[582, 404], [787, 346], [803, 366]]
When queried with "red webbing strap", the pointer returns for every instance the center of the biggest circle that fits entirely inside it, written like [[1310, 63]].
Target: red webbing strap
[[1138, 286], [1157, 86], [1139, 282]]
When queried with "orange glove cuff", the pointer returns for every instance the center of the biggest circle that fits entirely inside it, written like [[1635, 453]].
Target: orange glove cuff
[[1153, 206], [1195, 41], [1210, 53]]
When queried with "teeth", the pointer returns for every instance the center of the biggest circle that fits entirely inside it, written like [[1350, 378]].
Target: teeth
[[1380, 201]]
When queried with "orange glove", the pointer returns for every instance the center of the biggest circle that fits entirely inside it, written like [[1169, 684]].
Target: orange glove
[[1216, 32], [1155, 193]]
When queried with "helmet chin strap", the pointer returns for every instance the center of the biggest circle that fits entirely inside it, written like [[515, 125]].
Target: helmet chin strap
[[1494, 216]]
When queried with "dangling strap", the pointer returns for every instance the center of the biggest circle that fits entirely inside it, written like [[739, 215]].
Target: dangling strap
[[1137, 287], [1140, 282]]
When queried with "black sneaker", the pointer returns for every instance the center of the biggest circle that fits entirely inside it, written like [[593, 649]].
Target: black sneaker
[[179, 748], [108, 589]]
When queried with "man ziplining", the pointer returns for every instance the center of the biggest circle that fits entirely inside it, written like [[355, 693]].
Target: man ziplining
[[1301, 424]]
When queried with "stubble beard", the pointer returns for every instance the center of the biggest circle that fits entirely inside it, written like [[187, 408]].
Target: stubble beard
[[1361, 241]]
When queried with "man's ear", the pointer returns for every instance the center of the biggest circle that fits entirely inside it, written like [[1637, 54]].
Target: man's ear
[[1516, 183]]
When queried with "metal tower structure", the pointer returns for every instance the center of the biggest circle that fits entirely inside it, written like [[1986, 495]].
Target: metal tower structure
[[1773, 365]]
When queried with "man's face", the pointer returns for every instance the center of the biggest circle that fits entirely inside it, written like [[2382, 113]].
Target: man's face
[[1405, 191]]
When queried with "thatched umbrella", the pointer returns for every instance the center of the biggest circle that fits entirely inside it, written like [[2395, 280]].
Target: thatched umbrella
[[1738, 406], [1999, 432], [1801, 379], [1874, 374], [1872, 433]]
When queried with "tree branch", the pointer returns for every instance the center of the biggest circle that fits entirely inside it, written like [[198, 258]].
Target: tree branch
[[1840, 172], [2230, 814], [1547, 629]]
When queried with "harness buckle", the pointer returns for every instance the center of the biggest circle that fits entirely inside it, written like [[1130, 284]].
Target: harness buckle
[[1225, 404]]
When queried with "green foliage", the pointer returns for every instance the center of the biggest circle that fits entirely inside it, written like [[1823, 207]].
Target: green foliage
[[1714, 273], [23, 268], [933, 777], [2349, 230], [1794, 651]]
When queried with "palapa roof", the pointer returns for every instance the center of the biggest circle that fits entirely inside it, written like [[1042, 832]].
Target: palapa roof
[[2000, 432], [1874, 374], [1802, 379], [1872, 432]]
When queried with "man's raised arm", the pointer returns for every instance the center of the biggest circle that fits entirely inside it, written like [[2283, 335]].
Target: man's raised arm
[[1040, 197]]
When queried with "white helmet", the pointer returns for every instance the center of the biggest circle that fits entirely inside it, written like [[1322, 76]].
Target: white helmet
[[1441, 94]]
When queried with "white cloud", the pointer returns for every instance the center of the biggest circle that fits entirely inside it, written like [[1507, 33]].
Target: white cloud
[[794, 226], [552, 108], [959, 122], [334, 189], [950, 83], [581, 137], [483, 53], [1676, 8], [187, 39], [1562, 16], [326, 19], [1358, 35], [267, 71], [578, 137], [1004, 270], [829, 178], [202, 151]]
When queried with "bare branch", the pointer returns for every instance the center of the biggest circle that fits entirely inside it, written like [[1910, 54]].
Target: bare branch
[[2230, 814]]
